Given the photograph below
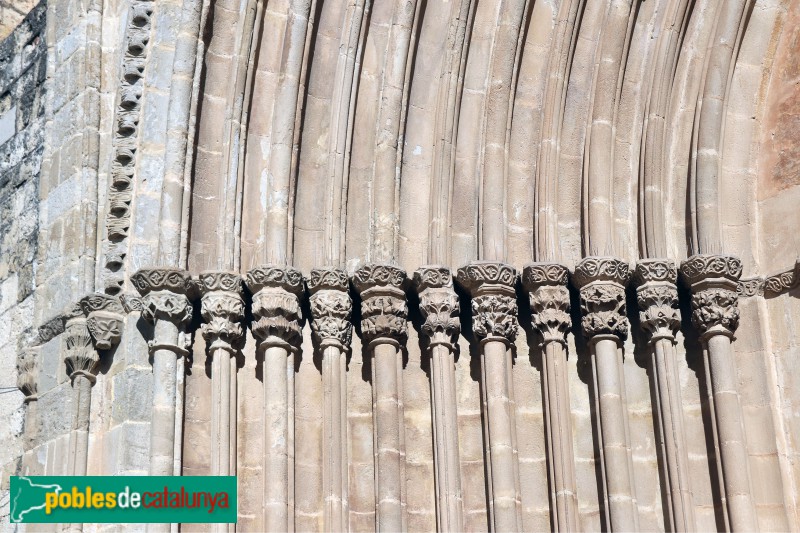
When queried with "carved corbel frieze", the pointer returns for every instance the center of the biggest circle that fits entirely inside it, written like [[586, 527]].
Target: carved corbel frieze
[[277, 317], [602, 282], [782, 282], [713, 282], [657, 296], [131, 303], [103, 318], [331, 308], [222, 309], [28, 373], [438, 304], [494, 303], [165, 298], [546, 284], [384, 310], [747, 288]]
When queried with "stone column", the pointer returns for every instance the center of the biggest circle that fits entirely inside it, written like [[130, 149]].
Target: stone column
[[277, 327], [383, 325], [439, 306], [546, 284], [602, 281], [712, 280], [98, 318], [660, 318], [331, 309], [222, 308], [166, 304], [28, 382], [494, 322]]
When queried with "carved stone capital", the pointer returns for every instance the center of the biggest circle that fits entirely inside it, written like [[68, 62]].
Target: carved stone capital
[[277, 317], [222, 308], [28, 373], [384, 310], [546, 284], [104, 319], [331, 307], [602, 281], [494, 302], [80, 355], [438, 304], [713, 282], [165, 294], [657, 297], [131, 303]]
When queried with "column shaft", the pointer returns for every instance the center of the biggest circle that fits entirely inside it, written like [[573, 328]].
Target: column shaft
[[555, 385], [162, 427], [732, 442], [444, 415], [670, 415], [276, 438], [334, 440]]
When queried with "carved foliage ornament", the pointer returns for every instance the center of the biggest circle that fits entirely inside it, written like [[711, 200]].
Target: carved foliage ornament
[[549, 299], [658, 310], [28, 372], [593, 269], [331, 307], [222, 308], [438, 304], [715, 310], [383, 310], [784, 281], [700, 267], [603, 310], [104, 319], [480, 273], [494, 304], [276, 309], [81, 358], [164, 294]]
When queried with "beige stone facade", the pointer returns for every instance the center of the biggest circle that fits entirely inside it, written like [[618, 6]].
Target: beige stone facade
[[406, 265]]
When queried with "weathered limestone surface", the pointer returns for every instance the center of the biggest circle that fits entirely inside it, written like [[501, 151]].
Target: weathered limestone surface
[[510, 265]]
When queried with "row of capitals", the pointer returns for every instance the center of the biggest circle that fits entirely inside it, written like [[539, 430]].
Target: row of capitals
[[277, 314]]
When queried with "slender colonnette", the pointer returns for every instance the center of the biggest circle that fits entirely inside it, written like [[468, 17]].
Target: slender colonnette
[[166, 304], [546, 284], [657, 296], [331, 310], [222, 308], [384, 312], [494, 322], [712, 280], [277, 325], [602, 281], [438, 304]]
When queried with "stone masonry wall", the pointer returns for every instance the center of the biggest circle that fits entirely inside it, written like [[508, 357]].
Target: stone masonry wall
[[23, 62]]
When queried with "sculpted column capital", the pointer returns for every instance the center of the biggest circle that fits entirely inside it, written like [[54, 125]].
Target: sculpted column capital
[[80, 356], [384, 310], [104, 315], [657, 296], [28, 373], [331, 307], [713, 282], [165, 294], [277, 317], [438, 304], [602, 281], [546, 284], [494, 304], [222, 309]]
